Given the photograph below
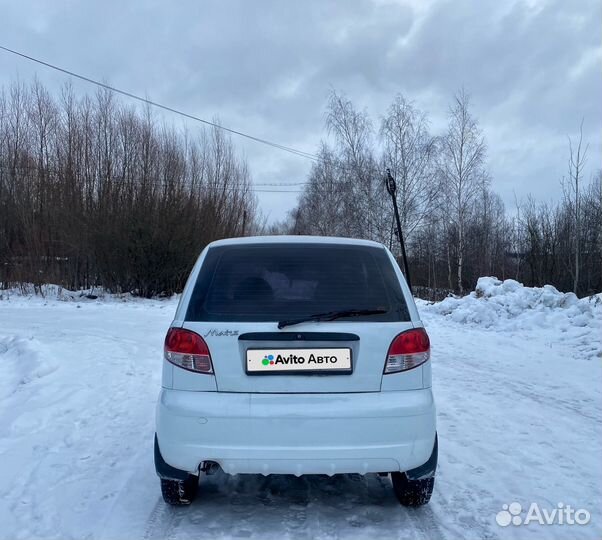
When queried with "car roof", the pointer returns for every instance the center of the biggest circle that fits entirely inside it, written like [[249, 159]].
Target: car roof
[[295, 239]]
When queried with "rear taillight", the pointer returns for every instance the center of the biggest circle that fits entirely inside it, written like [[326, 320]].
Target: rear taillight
[[187, 350], [408, 350]]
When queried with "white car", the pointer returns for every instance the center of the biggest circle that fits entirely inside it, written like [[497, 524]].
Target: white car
[[296, 355]]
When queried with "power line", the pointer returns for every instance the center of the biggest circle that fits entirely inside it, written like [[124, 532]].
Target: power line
[[289, 149], [198, 186], [300, 153], [47, 169], [281, 184]]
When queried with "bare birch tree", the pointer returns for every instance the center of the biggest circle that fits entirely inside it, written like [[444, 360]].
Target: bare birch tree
[[463, 170], [571, 187], [360, 184], [410, 152]]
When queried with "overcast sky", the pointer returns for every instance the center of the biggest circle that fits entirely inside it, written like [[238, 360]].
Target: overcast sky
[[533, 69]]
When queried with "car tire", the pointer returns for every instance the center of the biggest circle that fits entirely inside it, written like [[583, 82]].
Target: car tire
[[179, 492], [412, 492]]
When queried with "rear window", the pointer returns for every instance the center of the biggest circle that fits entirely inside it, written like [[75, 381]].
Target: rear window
[[272, 282]]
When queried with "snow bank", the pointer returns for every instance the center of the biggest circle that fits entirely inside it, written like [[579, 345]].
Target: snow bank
[[508, 305], [20, 364], [51, 292], [494, 300]]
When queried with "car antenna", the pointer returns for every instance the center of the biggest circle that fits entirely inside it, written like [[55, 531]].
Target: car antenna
[[392, 189]]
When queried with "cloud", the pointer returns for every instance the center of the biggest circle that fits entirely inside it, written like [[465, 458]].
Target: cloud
[[267, 66]]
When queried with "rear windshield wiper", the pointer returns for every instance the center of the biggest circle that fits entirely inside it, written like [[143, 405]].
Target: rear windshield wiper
[[331, 316]]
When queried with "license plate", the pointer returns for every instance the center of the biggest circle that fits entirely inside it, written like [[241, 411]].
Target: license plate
[[298, 360]]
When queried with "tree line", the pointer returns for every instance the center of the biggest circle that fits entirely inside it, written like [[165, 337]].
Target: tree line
[[97, 193], [455, 226]]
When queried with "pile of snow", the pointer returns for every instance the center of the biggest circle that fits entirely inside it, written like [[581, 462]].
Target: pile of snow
[[509, 306], [494, 300]]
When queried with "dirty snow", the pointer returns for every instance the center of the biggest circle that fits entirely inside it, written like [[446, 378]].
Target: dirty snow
[[517, 375], [508, 306]]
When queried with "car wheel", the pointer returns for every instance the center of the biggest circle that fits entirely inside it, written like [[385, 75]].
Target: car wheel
[[412, 492], [179, 492]]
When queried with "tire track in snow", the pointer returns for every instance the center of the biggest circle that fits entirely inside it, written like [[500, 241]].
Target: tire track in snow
[[160, 522]]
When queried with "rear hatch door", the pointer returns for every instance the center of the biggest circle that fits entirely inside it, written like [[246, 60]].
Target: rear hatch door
[[242, 292]]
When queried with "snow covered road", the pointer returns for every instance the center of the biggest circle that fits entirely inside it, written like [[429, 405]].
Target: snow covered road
[[519, 419]]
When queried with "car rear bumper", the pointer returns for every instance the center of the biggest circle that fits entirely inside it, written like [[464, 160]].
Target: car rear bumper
[[296, 433]]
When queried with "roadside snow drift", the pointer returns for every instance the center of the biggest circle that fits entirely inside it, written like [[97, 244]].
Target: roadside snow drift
[[518, 383], [20, 364], [509, 306]]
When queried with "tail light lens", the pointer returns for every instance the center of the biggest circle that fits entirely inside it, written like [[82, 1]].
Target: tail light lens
[[187, 350], [408, 350]]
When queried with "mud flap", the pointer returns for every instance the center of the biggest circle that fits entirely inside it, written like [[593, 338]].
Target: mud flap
[[164, 470]]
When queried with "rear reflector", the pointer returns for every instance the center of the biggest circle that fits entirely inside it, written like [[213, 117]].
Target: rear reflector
[[408, 350], [187, 350]]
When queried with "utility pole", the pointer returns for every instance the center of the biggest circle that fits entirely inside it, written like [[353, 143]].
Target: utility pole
[[392, 189]]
